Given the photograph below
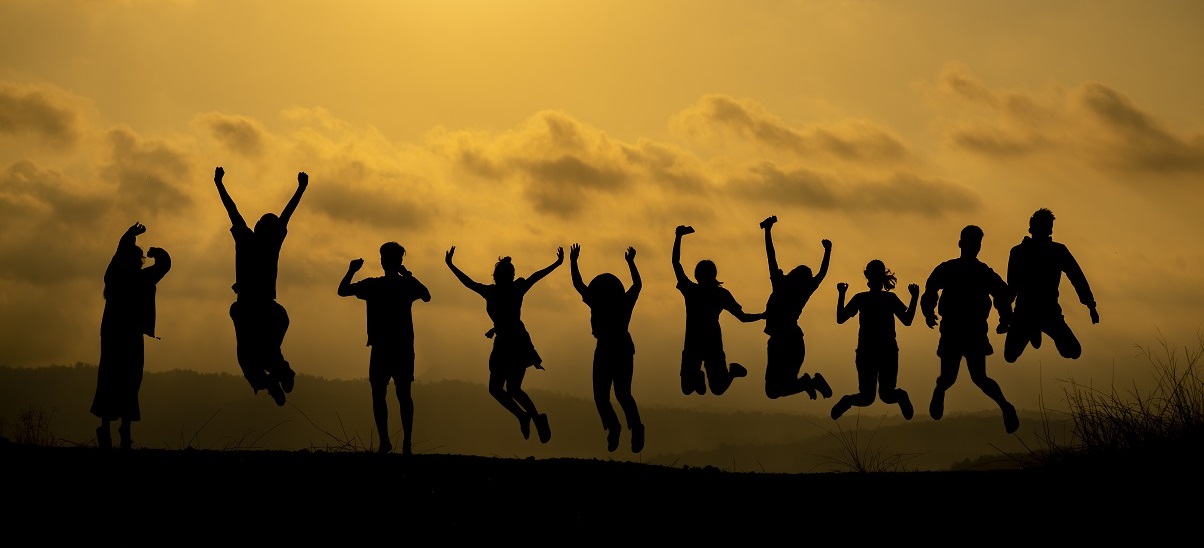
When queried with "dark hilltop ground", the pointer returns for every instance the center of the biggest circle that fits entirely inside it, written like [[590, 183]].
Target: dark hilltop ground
[[164, 495]]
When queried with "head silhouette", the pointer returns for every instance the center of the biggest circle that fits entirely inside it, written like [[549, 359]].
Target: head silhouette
[[971, 241], [1041, 223], [605, 286], [391, 254], [130, 258], [503, 271], [878, 276], [800, 274], [706, 273], [269, 225]]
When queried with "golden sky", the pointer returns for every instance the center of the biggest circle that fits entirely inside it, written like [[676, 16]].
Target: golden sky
[[516, 127]]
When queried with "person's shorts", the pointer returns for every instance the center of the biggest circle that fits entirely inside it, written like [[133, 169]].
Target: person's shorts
[[391, 362]]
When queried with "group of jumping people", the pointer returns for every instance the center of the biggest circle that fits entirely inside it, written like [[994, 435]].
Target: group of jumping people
[[958, 296]]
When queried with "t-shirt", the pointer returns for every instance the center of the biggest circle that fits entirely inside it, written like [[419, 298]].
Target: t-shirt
[[967, 288], [786, 302], [703, 305], [877, 310], [389, 300], [504, 305], [1035, 268], [611, 318], [256, 260]]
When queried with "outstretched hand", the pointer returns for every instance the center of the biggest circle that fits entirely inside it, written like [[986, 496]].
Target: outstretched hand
[[559, 255], [630, 255], [1094, 315], [827, 244], [136, 229], [356, 265], [769, 221], [574, 251], [218, 174], [302, 180], [842, 287], [448, 256], [682, 230], [913, 289]]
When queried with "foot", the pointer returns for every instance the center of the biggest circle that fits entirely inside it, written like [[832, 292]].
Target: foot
[[286, 379], [542, 427], [126, 441], [905, 407], [276, 392], [842, 405], [637, 438], [524, 426], [104, 439], [821, 385], [809, 383], [612, 438], [385, 447], [405, 448], [1011, 422], [936, 409], [738, 371]]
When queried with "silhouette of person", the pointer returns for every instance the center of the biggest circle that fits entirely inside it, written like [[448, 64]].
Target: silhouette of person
[[389, 301], [877, 349], [614, 356], [513, 352], [1035, 268], [129, 314], [961, 291], [702, 349], [786, 348], [259, 321]]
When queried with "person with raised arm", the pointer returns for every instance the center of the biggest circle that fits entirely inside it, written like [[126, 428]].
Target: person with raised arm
[[513, 352], [129, 315], [260, 322], [786, 349], [614, 356], [877, 347], [389, 300], [702, 349]]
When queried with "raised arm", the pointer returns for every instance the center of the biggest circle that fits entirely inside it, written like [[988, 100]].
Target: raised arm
[[823, 265], [682, 230], [770, 254], [578, 283], [302, 184], [908, 315], [345, 287], [231, 209], [464, 279], [636, 283], [539, 274], [843, 313]]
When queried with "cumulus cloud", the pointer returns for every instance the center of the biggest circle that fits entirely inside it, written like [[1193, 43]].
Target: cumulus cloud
[[1090, 121], [899, 192], [724, 118], [150, 174], [238, 134], [45, 112]]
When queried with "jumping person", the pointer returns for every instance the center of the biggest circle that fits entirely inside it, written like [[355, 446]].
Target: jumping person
[[614, 356], [1035, 268], [703, 345], [786, 348], [129, 315], [389, 299], [259, 321], [877, 347], [962, 291], [513, 352]]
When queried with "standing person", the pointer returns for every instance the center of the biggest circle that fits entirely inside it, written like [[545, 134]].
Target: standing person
[[877, 347], [703, 345], [962, 291], [129, 315], [513, 352], [786, 348], [390, 300], [614, 356], [1035, 268], [259, 321]]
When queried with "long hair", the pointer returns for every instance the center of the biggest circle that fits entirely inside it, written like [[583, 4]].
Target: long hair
[[877, 273]]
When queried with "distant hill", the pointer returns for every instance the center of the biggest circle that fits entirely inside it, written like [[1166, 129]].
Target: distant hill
[[186, 409]]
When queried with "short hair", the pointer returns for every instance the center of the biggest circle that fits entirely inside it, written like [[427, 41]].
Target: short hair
[[1043, 218], [972, 232], [392, 252]]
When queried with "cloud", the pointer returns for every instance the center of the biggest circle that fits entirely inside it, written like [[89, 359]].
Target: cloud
[[238, 134], [1090, 122], [899, 192], [149, 174], [42, 111], [722, 118]]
